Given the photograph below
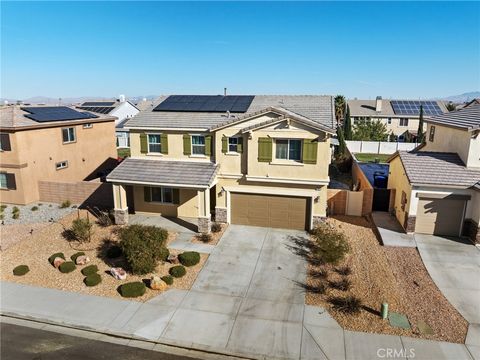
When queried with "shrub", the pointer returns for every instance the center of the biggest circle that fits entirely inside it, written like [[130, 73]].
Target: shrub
[[52, 257], [342, 285], [104, 218], [92, 279], [331, 246], [82, 229], [15, 209], [216, 227], [164, 253], [67, 266], [2, 216], [89, 270], [168, 279], [142, 246], [76, 255], [348, 305], [114, 252], [344, 270], [177, 271], [21, 270], [319, 274], [3, 207], [189, 258], [34, 208], [133, 289], [15, 215], [205, 237], [65, 204]]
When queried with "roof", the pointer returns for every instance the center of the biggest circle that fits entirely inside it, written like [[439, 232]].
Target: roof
[[13, 117], [317, 108], [467, 118], [102, 106], [164, 172], [367, 108], [437, 168]]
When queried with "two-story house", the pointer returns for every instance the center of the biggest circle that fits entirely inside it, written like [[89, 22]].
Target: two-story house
[[50, 143], [254, 160], [437, 186]]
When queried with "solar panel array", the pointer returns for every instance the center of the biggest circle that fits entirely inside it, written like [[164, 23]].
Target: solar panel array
[[55, 113], [98, 103], [412, 107], [97, 109], [206, 103]]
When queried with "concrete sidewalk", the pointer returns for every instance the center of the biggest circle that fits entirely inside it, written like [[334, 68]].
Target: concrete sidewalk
[[391, 232]]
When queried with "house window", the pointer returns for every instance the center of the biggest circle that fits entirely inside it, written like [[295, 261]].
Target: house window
[[154, 145], [68, 135], [161, 195], [389, 121], [3, 181], [5, 142], [232, 144], [61, 165], [198, 145], [288, 149], [431, 136], [88, 126], [403, 122]]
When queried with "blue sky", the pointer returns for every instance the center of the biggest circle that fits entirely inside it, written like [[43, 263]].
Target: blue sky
[[360, 49]]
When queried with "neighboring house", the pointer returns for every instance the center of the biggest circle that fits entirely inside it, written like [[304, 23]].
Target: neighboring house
[[254, 160], [121, 109], [50, 143], [401, 117], [437, 187]]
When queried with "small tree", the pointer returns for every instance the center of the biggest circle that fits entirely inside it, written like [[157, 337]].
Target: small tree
[[342, 147], [420, 133], [369, 130], [347, 125]]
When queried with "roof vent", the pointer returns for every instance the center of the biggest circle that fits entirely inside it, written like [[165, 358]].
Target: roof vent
[[121, 98], [378, 104]]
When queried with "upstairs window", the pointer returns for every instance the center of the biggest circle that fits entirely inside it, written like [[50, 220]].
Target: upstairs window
[[403, 122], [3, 181], [61, 165], [233, 144], [68, 135], [389, 121], [154, 143], [5, 142], [288, 149], [431, 136], [88, 126], [198, 145]]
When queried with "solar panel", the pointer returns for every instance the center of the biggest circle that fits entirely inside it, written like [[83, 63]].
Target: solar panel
[[55, 113], [412, 107], [206, 103], [97, 109], [98, 103]]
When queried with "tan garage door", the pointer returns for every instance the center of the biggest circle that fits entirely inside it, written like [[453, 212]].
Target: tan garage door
[[440, 216], [269, 211]]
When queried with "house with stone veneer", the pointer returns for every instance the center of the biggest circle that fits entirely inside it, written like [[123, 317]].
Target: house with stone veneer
[[437, 186], [255, 160]]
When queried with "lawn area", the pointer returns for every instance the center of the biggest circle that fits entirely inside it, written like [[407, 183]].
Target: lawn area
[[372, 157], [123, 152]]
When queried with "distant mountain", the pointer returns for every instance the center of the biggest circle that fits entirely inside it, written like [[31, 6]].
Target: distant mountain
[[466, 97], [72, 100]]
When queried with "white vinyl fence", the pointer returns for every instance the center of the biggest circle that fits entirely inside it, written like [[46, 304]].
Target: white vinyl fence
[[378, 147]]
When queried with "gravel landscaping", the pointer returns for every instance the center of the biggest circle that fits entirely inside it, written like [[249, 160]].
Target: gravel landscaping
[[377, 275], [214, 236], [42, 213]]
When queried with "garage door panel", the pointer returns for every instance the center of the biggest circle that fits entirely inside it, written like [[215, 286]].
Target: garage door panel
[[440, 216]]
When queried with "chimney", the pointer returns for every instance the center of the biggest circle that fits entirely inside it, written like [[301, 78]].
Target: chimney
[[224, 91], [378, 104], [121, 98]]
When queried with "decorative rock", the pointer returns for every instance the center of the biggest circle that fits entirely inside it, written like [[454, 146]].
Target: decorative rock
[[118, 273], [82, 260], [57, 262], [156, 283], [172, 259]]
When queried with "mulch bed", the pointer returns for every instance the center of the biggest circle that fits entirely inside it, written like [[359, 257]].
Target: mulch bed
[[215, 236]]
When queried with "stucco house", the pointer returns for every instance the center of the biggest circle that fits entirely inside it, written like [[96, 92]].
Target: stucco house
[[50, 143], [401, 117], [254, 160], [437, 186]]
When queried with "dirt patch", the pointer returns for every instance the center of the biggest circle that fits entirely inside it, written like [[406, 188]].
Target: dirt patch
[[35, 250], [215, 236], [12, 234], [375, 280]]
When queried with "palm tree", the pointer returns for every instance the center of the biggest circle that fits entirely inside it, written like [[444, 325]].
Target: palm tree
[[339, 107]]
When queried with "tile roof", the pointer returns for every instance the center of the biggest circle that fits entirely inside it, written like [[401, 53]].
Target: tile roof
[[190, 173], [467, 118], [437, 168], [317, 108], [368, 108]]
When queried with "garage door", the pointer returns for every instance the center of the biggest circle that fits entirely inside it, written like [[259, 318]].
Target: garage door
[[440, 216], [269, 211]]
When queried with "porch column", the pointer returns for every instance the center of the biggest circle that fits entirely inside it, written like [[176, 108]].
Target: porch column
[[120, 210], [204, 218]]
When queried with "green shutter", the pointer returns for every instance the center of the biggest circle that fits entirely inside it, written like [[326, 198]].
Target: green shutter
[[264, 149], [143, 143], [147, 194], [310, 151], [240, 145], [176, 196], [187, 145], [224, 144], [164, 144], [208, 145]]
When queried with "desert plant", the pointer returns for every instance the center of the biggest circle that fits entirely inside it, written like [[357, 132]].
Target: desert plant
[[21, 270], [114, 252], [342, 285], [3, 207], [2, 216], [82, 229], [177, 271], [318, 274], [216, 227], [133, 289], [52, 257], [142, 246], [168, 279], [104, 218], [15, 209], [15, 215], [348, 304], [204, 237], [189, 258], [331, 245], [93, 279], [65, 204], [67, 266], [89, 270], [343, 270], [34, 208], [76, 255], [164, 253]]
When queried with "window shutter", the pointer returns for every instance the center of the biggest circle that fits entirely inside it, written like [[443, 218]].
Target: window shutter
[[208, 145], [240, 145], [310, 151], [5, 141], [164, 144], [264, 149], [224, 144], [176, 196], [11, 184], [143, 143], [147, 194], [187, 144]]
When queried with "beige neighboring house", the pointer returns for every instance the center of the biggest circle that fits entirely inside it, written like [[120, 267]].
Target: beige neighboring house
[[401, 117], [50, 143], [253, 160], [437, 187]]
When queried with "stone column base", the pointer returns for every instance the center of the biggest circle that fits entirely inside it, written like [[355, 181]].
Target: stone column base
[[120, 216], [472, 230], [409, 225], [221, 215], [204, 224]]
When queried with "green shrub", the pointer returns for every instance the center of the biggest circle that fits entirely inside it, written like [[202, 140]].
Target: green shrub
[[168, 279], [348, 305], [92, 279], [206, 238], [331, 245], [15, 209], [76, 255], [133, 289], [89, 270], [216, 227], [2, 216], [15, 215], [34, 208], [114, 252], [142, 246], [3, 207], [21, 270], [65, 204], [52, 257], [177, 271], [82, 229], [67, 266], [189, 258], [164, 253]]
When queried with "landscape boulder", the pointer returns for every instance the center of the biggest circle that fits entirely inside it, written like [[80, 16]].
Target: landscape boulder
[[172, 259], [156, 283], [118, 273], [82, 260], [57, 262]]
